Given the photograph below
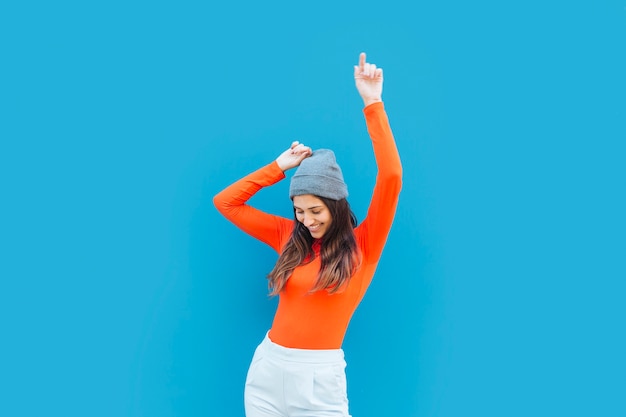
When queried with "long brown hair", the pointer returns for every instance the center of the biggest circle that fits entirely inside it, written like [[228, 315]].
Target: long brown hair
[[340, 256]]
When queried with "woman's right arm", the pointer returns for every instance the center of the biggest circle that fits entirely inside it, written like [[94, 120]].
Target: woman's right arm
[[232, 201]]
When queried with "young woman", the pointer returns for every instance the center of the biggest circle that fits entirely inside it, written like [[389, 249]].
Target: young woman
[[326, 264]]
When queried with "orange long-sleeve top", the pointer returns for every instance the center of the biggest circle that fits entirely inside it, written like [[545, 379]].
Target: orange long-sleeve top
[[319, 320]]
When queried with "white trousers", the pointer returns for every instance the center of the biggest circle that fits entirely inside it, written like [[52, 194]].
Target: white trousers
[[285, 382]]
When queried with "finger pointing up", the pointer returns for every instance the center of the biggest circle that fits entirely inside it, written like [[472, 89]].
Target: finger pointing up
[[360, 69]]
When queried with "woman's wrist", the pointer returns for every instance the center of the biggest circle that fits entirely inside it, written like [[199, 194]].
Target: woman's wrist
[[284, 166], [369, 100]]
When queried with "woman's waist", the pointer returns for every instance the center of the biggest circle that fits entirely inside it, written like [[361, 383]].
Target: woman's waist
[[303, 347]]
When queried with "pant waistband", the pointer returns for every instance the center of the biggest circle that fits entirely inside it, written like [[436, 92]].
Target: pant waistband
[[301, 355]]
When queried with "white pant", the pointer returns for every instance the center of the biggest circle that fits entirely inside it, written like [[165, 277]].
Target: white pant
[[285, 382]]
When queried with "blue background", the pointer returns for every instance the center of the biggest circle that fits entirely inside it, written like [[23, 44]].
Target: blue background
[[500, 292]]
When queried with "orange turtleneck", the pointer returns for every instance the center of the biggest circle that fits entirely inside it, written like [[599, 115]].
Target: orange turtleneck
[[319, 320]]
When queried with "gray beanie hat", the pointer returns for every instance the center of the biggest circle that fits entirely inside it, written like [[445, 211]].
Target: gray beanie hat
[[319, 175]]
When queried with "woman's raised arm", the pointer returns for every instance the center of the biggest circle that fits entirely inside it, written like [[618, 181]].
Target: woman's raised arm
[[381, 212]]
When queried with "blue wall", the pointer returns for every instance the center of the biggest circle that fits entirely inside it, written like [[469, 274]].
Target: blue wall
[[500, 292]]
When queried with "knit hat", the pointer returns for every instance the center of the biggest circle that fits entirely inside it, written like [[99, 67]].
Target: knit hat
[[319, 175]]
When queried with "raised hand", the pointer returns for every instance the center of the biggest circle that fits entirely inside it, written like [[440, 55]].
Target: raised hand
[[292, 157], [369, 81]]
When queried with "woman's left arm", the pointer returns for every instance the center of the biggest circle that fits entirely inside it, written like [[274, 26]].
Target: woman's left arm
[[375, 228]]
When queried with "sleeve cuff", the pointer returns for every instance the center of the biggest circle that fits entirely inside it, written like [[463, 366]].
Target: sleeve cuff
[[275, 171], [374, 107]]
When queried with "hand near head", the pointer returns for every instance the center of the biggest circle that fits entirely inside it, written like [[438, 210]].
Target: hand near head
[[369, 81], [292, 157]]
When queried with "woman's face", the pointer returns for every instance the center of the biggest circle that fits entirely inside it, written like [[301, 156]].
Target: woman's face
[[313, 214]]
